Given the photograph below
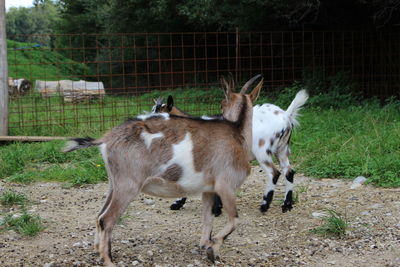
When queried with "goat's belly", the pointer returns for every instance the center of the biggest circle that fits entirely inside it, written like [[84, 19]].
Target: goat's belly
[[194, 184], [186, 185]]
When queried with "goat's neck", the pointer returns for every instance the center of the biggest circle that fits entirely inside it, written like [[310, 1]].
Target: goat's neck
[[244, 121], [247, 124]]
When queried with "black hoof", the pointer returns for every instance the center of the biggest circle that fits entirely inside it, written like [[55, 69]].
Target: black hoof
[[286, 207], [216, 211], [264, 208], [210, 254], [176, 206]]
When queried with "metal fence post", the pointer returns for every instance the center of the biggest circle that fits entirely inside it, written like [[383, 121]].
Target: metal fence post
[[3, 72]]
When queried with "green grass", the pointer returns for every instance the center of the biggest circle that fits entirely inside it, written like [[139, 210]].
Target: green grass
[[29, 162], [348, 142], [11, 198], [26, 224], [333, 225]]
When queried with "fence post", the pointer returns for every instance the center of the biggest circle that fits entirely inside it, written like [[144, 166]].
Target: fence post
[[3, 72], [237, 55]]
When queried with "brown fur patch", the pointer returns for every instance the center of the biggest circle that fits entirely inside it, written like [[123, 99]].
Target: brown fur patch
[[172, 173], [261, 142]]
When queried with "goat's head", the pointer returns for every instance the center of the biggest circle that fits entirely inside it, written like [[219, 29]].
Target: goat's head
[[231, 105], [160, 107]]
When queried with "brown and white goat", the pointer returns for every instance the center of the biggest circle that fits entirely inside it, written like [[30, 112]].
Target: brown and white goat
[[171, 156], [272, 129]]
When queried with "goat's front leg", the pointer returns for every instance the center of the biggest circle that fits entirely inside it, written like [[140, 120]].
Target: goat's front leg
[[227, 196], [178, 203], [208, 199]]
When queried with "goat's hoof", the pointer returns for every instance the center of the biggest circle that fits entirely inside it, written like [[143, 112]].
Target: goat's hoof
[[210, 254], [175, 206], [217, 212], [264, 208], [286, 207]]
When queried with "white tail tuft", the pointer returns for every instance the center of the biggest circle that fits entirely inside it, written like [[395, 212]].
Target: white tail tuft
[[70, 146], [297, 103]]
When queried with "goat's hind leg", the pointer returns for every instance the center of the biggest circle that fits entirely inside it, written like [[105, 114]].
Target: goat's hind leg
[[289, 175], [96, 234], [119, 201], [272, 178]]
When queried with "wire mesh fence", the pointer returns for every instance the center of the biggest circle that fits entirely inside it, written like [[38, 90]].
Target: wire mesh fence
[[93, 81]]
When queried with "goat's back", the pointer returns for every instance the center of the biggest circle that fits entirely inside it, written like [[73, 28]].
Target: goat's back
[[174, 147]]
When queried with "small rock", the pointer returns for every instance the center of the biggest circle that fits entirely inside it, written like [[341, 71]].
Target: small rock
[[148, 201], [190, 265], [331, 262], [319, 214], [150, 253], [16, 215], [50, 264], [134, 263], [365, 213], [124, 241], [376, 206], [194, 251], [77, 244], [358, 182]]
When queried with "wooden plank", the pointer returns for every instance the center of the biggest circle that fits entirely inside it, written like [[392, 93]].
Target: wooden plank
[[32, 138], [3, 72]]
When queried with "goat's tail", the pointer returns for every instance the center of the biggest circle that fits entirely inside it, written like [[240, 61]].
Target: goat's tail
[[297, 103], [78, 143]]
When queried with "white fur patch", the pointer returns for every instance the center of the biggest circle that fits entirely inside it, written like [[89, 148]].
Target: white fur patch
[[207, 118], [150, 115], [148, 137], [191, 181]]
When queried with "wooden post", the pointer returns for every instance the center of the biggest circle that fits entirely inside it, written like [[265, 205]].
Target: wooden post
[[3, 72], [237, 55]]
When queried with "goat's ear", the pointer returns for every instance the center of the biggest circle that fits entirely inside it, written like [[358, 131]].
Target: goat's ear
[[226, 87], [170, 103], [256, 91]]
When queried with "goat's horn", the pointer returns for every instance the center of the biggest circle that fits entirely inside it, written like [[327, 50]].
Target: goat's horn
[[248, 83], [159, 101]]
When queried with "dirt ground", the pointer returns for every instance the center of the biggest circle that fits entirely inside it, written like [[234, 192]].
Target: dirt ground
[[150, 234]]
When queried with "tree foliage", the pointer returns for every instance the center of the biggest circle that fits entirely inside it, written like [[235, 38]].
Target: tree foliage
[[40, 19], [117, 16]]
